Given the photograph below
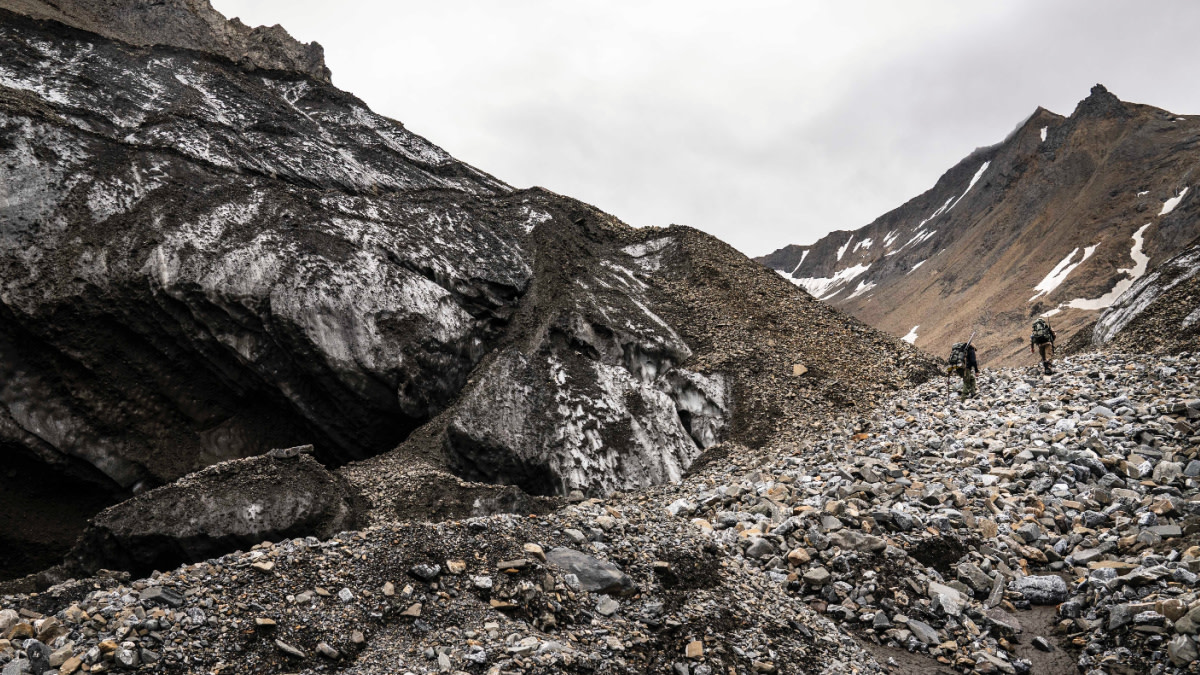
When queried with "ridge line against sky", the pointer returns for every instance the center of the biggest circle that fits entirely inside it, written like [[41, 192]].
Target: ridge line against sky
[[763, 123]]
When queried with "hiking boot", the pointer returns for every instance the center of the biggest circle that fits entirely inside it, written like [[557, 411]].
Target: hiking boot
[[1046, 367]]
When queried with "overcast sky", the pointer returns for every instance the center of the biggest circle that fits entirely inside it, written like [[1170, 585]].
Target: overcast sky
[[763, 123]]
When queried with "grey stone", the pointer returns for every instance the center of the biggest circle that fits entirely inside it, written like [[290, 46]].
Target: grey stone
[[999, 663], [126, 655], [1182, 650], [760, 548], [857, 541], [595, 575], [289, 650], [950, 600], [1167, 531], [8, 619], [976, 578], [230, 505], [817, 576], [1120, 615], [161, 595], [607, 606], [1189, 623], [425, 572], [923, 632], [1002, 623], [1041, 590], [1166, 472]]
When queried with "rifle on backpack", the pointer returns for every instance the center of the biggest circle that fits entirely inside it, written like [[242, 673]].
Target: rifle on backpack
[[958, 360]]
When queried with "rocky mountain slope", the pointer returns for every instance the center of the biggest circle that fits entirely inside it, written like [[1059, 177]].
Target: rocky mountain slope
[[203, 257], [1160, 312], [1057, 220], [1046, 527]]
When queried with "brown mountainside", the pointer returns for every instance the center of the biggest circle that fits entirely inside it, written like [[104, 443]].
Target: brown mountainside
[[1057, 220]]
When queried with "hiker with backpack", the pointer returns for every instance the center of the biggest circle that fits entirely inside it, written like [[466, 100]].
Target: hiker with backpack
[[1043, 336], [964, 363]]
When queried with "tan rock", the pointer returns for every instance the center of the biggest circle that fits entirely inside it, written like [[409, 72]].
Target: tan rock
[[534, 550], [798, 557], [70, 665], [988, 528], [694, 649]]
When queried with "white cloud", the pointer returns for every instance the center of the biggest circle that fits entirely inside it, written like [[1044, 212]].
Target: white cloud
[[764, 123]]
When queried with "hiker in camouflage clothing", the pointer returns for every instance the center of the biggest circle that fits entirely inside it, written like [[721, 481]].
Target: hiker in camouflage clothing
[[964, 363], [970, 370], [1043, 336]]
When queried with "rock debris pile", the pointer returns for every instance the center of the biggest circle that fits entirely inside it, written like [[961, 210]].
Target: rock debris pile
[[939, 528], [932, 526]]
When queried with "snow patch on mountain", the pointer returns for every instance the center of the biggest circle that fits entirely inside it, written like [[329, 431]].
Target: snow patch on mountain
[[1044, 133], [803, 255], [1145, 291], [864, 244], [822, 288], [911, 337], [842, 249], [974, 180], [1140, 260], [914, 267], [863, 287], [1060, 272], [1169, 205]]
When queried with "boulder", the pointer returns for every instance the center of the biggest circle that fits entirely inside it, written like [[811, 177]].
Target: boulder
[[595, 575], [857, 541], [228, 506], [1041, 590]]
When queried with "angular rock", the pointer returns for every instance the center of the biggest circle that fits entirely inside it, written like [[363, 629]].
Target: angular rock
[[235, 504], [857, 541], [595, 575], [923, 632], [1041, 590]]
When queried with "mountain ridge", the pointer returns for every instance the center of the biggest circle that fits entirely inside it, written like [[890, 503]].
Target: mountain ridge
[[1061, 199], [187, 24]]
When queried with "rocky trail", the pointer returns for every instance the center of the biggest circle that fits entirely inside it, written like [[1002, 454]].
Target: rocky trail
[[1046, 526], [286, 388]]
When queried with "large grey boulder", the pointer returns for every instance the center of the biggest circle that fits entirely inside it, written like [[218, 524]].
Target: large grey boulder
[[1041, 590], [595, 575], [228, 506]]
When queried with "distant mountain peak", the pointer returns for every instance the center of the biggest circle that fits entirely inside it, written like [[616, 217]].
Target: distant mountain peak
[[187, 24], [1057, 220], [1101, 103]]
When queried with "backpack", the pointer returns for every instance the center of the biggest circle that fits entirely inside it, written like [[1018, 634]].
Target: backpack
[[1042, 332], [958, 356]]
